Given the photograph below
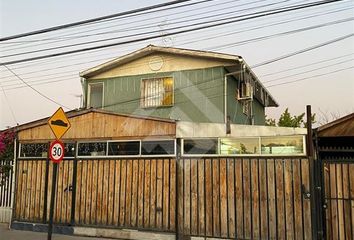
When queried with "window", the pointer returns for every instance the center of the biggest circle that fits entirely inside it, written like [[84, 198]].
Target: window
[[69, 150], [157, 92], [124, 148], [158, 147], [200, 146], [38, 150], [95, 99], [282, 145], [92, 149], [239, 146]]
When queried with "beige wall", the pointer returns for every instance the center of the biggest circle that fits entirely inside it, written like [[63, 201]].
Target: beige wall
[[170, 63]]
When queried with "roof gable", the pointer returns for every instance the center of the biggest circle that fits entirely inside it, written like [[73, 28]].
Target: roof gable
[[158, 50]]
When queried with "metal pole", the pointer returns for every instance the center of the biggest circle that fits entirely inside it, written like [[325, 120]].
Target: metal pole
[[52, 198]]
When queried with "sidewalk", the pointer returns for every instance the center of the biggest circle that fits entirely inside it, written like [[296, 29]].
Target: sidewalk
[[7, 234]]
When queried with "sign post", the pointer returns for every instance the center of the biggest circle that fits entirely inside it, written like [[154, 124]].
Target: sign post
[[59, 124]]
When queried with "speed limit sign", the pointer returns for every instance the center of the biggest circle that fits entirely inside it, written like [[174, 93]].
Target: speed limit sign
[[56, 151]]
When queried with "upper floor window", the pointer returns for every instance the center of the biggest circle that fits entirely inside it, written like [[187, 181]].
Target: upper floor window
[[95, 95], [157, 92]]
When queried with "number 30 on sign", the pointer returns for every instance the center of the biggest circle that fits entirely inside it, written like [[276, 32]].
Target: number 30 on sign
[[56, 151]]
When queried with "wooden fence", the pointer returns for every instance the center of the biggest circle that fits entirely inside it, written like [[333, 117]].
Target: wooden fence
[[339, 199], [245, 198]]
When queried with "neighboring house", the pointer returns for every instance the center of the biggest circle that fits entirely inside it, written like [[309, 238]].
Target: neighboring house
[[179, 84]]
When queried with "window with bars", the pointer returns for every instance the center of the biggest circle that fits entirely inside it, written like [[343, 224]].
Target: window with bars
[[157, 92]]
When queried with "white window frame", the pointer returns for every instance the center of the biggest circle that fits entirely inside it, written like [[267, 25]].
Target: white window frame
[[142, 92], [89, 94]]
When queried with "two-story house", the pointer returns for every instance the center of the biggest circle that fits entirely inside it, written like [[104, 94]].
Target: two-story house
[[180, 84]]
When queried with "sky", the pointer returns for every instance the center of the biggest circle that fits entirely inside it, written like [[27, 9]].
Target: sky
[[322, 78]]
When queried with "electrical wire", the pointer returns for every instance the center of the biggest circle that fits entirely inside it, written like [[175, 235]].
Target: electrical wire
[[28, 85], [79, 23], [306, 78], [169, 34], [312, 70]]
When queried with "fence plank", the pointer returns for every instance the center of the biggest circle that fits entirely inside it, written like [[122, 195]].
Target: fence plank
[[297, 199], [153, 183], [194, 197], [231, 197], [134, 201], [122, 193], [247, 195], [306, 202], [239, 188], [263, 191], [173, 179], [215, 165], [223, 199], [209, 200], [187, 196], [279, 172], [128, 191], [255, 229], [289, 210], [272, 199]]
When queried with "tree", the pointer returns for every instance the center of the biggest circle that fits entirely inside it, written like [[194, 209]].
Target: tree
[[6, 154], [287, 120]]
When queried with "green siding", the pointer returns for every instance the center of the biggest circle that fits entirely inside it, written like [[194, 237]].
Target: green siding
[[198, 97]]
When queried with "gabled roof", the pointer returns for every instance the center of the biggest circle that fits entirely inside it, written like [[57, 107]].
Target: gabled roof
[[155, 49], [343, 126]]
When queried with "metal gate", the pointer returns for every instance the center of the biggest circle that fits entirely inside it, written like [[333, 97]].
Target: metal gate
[[6, 194], [338, 181]]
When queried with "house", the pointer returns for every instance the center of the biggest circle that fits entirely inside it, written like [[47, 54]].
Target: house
[[179, 84]]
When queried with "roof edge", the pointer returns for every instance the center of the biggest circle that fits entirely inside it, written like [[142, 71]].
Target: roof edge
[[150, 49]]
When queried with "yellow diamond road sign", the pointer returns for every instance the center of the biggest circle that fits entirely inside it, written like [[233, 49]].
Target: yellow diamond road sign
[[59, 123]]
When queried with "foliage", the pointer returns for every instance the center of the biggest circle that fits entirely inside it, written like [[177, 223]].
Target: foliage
[[6, 154], [287, 120]]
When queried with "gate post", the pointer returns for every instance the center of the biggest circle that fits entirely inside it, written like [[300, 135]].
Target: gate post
[[73, 192], [315, 181]]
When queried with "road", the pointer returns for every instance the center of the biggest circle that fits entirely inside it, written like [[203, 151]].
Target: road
[[7, 234]]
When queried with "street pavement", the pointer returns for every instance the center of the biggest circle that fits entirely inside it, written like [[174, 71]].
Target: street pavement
[[7, 234]]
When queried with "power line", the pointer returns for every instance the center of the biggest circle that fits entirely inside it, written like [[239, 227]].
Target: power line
[[79, 23], [28, 85], [314, 76], [267, 13], [303, 50], [155, 31], [183, 43], [281, 34], [8, 103], [305, 65], [312, 70]]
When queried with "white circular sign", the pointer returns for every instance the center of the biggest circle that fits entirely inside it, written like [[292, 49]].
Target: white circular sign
[[56, 151]]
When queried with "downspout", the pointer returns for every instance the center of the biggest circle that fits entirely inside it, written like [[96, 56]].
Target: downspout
[[225, 98], [83, 96]]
